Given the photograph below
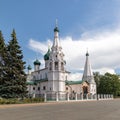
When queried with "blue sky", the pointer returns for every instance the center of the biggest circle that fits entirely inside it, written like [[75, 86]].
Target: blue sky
[[79, 21]]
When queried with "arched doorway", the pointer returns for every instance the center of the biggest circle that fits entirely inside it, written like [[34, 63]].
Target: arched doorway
[[85, 92]]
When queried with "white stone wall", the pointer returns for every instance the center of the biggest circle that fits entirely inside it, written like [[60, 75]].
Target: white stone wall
[[30, 89], [93, 89], [61, 86], [55, 86], [77, 88], [50, 86], [36, 67], [38, 75], [42, 85], [36, 90]]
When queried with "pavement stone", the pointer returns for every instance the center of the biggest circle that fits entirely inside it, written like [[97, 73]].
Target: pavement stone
[[84, 110]]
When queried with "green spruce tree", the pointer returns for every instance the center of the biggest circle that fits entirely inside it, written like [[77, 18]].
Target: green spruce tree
[[2, 47], [3, 68], [16, 85]]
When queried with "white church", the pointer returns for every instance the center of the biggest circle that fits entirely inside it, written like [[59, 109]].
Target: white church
[[55, 79]]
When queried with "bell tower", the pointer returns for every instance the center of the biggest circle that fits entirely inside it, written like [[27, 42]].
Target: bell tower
[[56, 69], [56, 56]]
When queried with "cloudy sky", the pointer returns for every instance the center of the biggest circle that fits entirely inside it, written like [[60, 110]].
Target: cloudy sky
[[83, 24]]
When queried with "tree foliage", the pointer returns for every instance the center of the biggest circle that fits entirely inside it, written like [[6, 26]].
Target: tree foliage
[[97, 80], [14, 79], [3, 61], [108, 84]]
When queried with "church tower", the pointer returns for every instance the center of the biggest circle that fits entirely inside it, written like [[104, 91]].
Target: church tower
[[56, 63], [88, 75]]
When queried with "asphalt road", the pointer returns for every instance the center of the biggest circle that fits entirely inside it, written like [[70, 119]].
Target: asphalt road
[[92, 110]]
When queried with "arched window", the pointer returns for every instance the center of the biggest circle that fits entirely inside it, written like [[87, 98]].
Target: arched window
[[56, 65], [62, 66], [44, 87], [38, 88], [33, 88], [85, 89]]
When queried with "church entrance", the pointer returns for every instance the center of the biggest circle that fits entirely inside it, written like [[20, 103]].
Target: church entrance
[[85, 92]]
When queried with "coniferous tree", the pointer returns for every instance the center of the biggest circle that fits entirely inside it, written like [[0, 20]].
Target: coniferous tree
[[2, 46], [16, 85], [3, 68]]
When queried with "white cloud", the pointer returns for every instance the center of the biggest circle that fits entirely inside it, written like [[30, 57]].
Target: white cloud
[[39, 46], [104, 49], [104, 70], [75, 76]]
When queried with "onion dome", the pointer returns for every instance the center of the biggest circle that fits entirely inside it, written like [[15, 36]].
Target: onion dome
[[87, 54], [37, 62], [29, 67], [46, 56], [56, 29]]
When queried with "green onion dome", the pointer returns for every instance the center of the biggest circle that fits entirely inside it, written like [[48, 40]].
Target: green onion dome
[[46, 56], [29, 67], [56, 29], [37, 62], [87, 54]]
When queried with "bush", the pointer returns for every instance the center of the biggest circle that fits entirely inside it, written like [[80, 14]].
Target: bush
[[21, 101], [33, 100]]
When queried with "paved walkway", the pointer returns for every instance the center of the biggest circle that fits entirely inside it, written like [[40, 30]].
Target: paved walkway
[[92, 110]]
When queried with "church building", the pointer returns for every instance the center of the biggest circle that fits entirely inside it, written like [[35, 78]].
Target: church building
[[55, 79]]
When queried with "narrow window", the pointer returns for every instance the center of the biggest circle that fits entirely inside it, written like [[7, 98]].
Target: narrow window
[[56, 65], [62, 66], [44, 88], [33, 88], [50, 66], [38, 88]]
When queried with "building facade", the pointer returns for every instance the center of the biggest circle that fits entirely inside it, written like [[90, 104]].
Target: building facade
[[54, 78]]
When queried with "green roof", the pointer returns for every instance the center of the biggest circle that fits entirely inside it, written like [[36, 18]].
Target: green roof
[[56, 29], [29, 67], [30, 83], [44, 80], [41, 80], [37, 62], [87, 54], [36, 81], [46, 56], [73, 82]]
